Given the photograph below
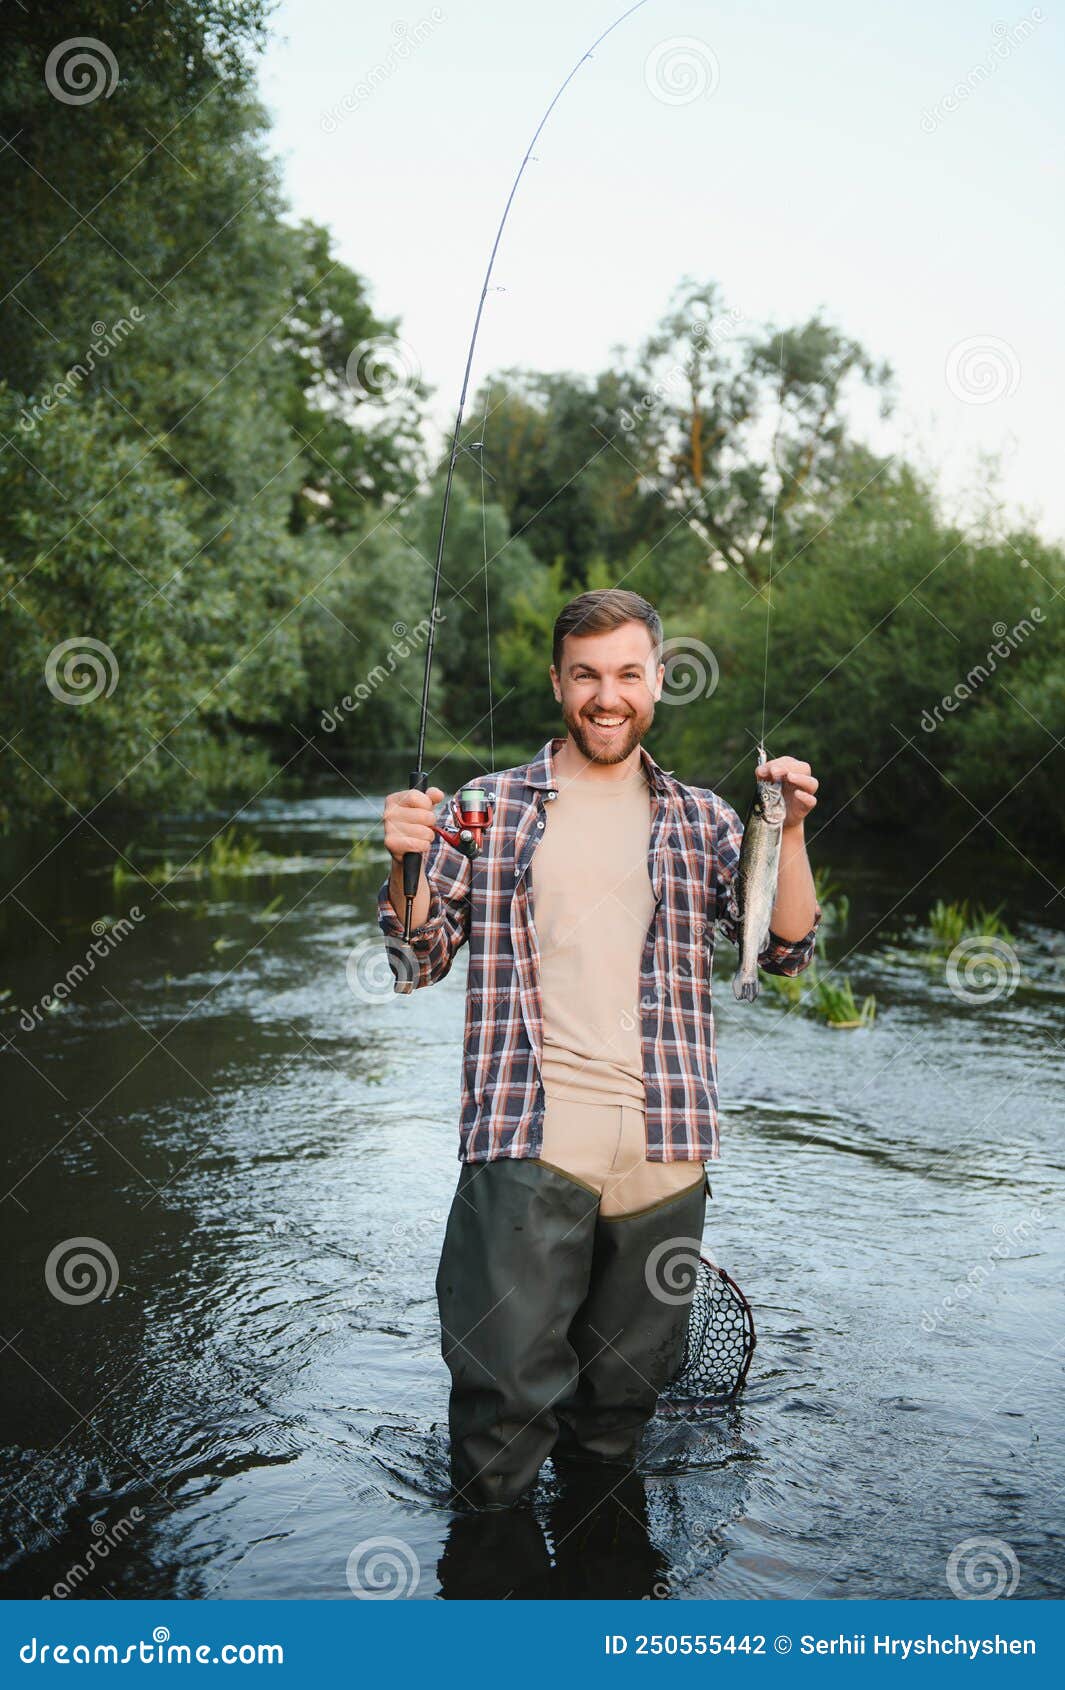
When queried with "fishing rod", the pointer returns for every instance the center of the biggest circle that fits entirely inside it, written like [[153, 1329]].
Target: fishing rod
[[472, 810]]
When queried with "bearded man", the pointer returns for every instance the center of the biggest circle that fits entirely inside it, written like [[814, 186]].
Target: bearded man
[[589, 1096]]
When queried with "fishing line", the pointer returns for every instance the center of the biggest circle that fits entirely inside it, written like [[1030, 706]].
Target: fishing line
[[487, 626], [419, 779], [772, 544]]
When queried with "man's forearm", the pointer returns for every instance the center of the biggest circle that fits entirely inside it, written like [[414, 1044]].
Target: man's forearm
[[397, 899], [796, 905]]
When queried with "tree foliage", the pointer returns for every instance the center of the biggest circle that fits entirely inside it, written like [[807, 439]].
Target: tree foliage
[[217, 534]]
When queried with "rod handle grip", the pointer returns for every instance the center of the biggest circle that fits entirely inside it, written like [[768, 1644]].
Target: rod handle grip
[[412, 862]]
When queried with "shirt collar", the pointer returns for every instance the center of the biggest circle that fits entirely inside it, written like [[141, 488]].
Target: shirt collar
[[541, 771]]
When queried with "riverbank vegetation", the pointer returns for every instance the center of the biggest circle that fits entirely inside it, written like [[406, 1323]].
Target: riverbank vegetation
[[219, 499]]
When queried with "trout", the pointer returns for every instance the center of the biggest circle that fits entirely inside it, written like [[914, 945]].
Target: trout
[[756, 882]]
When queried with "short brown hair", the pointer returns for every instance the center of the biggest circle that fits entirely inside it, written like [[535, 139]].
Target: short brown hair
[[596, 613]]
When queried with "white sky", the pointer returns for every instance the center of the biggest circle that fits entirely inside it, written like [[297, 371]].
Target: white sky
[[819, 169]]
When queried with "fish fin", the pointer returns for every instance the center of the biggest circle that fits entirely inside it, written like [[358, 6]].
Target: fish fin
[[745, 986]]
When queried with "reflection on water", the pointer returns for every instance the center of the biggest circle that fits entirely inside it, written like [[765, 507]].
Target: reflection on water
[[256, 1405]]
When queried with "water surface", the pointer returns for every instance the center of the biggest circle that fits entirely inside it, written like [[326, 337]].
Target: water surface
[[269, 1156]]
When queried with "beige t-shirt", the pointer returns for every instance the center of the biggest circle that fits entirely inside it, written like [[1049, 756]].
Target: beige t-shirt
[[593, 903]]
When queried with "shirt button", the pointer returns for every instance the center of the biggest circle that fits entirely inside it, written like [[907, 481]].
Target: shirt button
[[540, 823], [552, 795]]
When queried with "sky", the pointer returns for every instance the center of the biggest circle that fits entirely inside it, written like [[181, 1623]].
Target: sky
[[899, 168]]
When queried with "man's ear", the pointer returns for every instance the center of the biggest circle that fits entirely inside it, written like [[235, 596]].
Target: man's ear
[[659, 678], [556, 684]]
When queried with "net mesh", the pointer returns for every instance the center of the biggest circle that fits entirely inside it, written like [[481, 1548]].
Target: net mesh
[[720, 1341]]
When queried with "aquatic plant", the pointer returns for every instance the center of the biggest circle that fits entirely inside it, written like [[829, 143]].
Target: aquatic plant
[[835, 1003], [231, 852], [228, 853], [830, 997], [952, 922], [789, 987], [161, 874]]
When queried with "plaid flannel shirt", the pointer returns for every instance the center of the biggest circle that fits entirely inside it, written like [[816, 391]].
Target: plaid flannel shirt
[[693, 855]]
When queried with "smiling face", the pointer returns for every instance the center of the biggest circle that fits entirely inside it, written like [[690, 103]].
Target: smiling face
[[607, 689]]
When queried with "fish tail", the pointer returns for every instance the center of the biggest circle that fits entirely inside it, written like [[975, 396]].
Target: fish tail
[[745, 984]]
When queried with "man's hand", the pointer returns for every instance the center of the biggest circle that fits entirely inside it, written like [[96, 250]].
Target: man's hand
[[798, 784], [409, 819]]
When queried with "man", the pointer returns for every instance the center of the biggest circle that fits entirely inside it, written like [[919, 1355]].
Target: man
[[589, 1096]]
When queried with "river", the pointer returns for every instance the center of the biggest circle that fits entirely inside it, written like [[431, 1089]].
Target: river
[[243, 1396]]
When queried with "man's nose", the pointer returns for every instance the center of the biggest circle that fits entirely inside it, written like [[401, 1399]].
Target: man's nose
[[607, 695]]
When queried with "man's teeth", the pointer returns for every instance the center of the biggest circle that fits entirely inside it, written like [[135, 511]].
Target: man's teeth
[[608, 721]]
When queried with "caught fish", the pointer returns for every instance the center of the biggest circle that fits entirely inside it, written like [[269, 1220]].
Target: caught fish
[[756, 880]]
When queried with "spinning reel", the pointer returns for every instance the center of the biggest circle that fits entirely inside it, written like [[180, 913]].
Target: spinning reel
[[473, 817]]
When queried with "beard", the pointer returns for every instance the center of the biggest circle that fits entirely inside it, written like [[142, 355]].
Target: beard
[[612, 748]]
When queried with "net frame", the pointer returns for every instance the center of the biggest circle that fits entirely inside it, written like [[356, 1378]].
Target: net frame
[[719, 1343]]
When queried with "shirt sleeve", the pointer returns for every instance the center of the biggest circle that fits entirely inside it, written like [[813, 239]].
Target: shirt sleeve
[[778, 956], [446, 927]]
